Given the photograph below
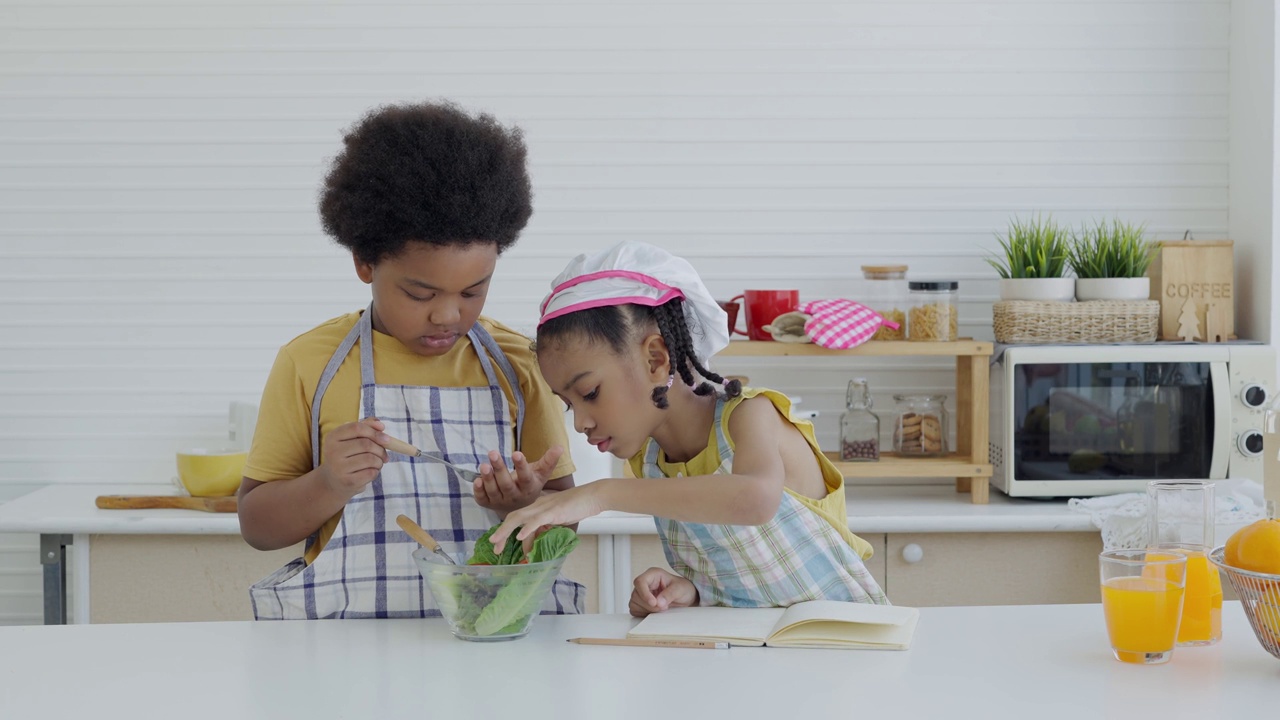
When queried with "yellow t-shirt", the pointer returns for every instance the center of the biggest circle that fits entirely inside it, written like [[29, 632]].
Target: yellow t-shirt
[[281, 447], [830, 508]]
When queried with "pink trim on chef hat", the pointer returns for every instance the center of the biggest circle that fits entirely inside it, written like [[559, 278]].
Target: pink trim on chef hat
[[642, 274]]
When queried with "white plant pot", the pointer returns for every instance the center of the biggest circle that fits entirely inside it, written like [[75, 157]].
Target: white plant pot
[[1138, 288], [1059, 289]]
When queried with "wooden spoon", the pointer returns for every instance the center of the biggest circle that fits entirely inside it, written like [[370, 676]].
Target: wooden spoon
[[422, 536]]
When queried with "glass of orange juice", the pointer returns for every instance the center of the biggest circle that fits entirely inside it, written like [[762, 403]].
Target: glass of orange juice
[[1142, 600], [1180, 518]]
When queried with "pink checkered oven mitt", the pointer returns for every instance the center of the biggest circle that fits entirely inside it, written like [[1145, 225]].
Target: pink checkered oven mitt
[[842, 324]]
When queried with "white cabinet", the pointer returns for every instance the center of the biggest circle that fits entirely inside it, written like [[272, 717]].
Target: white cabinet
[[174, 578], [931, 569], [928, 569], [193, 578]]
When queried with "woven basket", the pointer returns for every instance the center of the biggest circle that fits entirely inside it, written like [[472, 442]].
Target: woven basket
[[1095, 321]]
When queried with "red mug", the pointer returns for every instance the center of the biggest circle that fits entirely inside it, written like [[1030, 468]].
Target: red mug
[[760, 308]]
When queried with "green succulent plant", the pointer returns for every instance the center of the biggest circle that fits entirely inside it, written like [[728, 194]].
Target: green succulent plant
[[1035, 248], [1110, 249]]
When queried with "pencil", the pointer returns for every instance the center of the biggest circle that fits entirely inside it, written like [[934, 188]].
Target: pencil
[[636, 642]]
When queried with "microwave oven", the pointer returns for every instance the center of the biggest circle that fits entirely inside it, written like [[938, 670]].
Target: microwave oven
[[1078, 421]]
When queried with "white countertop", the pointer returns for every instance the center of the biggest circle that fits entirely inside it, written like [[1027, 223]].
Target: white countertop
[[69, 509], [1045, 662]]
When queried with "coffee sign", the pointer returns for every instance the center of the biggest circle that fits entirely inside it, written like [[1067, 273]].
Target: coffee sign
[[1198, 290], [1194, 282]]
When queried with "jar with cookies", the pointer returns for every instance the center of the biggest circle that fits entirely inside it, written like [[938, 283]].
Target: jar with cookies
[[933, 313], [920, 426]]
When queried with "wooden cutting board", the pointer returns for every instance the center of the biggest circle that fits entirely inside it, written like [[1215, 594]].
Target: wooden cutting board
[[151, 502]]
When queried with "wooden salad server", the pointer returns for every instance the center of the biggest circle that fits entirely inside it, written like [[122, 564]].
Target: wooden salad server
[[422, 536]]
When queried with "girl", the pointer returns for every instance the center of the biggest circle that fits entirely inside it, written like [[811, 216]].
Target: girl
[[749, 511]]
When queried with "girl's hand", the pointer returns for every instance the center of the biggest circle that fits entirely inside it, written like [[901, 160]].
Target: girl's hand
[[563, 508], [351, 458], [503, 490], [656, 590]]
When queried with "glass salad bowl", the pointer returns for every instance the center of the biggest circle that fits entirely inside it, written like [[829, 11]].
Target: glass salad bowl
[[487, 603]]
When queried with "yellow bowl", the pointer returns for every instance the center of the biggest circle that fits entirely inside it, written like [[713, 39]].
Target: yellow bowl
[[211, 473]]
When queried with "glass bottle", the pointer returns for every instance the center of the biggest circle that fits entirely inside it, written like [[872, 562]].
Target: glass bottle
[[859, 427], [920, 428]]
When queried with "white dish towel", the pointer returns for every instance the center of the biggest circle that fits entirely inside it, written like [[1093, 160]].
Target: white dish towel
[[1123, 518]]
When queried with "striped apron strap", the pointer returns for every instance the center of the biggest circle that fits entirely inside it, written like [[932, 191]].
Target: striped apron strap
[[481, 338], [330, 370]]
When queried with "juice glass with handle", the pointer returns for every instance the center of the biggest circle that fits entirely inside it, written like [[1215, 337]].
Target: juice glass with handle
[[1142, 601], [1180, 518]]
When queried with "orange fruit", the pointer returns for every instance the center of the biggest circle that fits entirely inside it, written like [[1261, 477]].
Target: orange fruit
[[1255, 547]]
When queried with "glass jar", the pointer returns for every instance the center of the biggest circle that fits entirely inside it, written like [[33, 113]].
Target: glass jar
[[933, 311], [884, 289], [1181, 516], [1271, 446], [920, 427], [859, 427]]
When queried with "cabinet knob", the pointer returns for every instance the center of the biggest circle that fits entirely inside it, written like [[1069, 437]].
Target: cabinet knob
[[912, 553]]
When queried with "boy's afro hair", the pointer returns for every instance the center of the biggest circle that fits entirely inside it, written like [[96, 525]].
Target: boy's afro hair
[[429, 173]]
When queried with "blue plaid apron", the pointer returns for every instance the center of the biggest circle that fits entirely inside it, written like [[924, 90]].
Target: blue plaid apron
[[366, 569], [794, 557]]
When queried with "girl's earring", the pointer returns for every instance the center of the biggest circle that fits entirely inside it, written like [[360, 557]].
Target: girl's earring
[[660, 393]]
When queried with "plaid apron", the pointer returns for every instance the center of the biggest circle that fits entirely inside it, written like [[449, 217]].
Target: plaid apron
[[794, 557], [366, 569]]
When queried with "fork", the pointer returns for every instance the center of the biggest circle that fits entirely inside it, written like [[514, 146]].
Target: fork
[[405, 448]]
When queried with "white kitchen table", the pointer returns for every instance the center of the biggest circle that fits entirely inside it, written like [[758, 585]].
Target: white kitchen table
[[1040, 661], [64, 516]]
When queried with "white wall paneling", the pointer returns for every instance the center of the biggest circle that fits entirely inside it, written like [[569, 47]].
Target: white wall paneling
[[159, 164]]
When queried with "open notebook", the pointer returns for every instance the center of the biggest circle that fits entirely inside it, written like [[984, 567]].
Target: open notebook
[[813, 624]]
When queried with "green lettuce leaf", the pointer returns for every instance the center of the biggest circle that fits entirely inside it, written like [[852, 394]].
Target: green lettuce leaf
[[483, 554], [514, 603], [554, 543], [509, 610]]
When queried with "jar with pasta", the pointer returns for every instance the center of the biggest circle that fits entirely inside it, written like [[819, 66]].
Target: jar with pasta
[[884, 289], [933, 313]]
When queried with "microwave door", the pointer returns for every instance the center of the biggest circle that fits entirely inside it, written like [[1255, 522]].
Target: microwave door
[[1222, 445]]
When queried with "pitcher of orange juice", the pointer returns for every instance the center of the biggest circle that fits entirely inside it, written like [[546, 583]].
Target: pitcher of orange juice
[[1180, 517]]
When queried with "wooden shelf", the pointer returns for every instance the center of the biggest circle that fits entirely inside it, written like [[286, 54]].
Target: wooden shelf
[[892, 465], [874, 348], [969, 464]]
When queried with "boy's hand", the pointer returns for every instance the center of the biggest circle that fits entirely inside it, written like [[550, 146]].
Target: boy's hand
[[503, 490], [656, 590], [563, 508], [351, 458]]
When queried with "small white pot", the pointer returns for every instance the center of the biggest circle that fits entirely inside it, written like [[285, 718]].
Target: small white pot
[[1138, 288], [1059, 289]]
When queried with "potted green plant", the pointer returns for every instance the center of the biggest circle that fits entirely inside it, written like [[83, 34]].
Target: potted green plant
[[1110, 260], [1033, 261]]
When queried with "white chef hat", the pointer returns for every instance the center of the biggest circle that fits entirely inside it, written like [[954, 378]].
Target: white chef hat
[[641, 274]]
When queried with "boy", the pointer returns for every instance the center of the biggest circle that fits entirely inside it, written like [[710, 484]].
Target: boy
[[426, 197]]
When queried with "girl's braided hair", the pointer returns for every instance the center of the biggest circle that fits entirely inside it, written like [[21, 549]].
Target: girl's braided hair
[[618, 325]]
